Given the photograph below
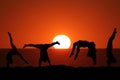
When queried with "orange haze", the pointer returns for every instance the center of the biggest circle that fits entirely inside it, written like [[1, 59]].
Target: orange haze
[[39, 21]]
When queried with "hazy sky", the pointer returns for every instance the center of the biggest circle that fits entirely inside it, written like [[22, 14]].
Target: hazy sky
[[39, 21]]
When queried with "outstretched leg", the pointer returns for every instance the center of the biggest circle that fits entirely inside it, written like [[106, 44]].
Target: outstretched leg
[[94, 59], [78, 50], [111, 59], [22, 58], [92, 55], [108, 63], [92, 52], [40, 62], [9, 58], [73, 49], [110, 56], [8, 64], [49, 62]]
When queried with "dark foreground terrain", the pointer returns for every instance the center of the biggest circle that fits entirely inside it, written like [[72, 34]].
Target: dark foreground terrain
[[59, 72]]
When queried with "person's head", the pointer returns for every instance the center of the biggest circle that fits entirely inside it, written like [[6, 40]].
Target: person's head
[[92, 45], [57, 42]]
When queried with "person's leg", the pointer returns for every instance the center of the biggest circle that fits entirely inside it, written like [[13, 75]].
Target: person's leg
[[40, 62], [94, 59], [109, 58], [108, 63], [92, 55], [49, 62], [21, 57], [8, 65], [9, 62]]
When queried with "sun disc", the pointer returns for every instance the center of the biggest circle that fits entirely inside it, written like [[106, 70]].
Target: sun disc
[[63, 40]]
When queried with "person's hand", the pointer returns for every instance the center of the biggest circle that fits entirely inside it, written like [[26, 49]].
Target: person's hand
[[57, 43], [24, 45]]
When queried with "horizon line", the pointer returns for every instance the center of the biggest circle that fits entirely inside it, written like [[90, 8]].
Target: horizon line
[[56, 49]]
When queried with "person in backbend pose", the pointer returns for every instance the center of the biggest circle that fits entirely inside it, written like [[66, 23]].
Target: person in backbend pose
[[110, 57], [43, 51], [79, 43], [84, 43], [12, 52]]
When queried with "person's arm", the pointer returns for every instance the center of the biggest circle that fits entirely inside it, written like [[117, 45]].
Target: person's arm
[[54, 43], [31, 45], [9, 34], [11, 41]]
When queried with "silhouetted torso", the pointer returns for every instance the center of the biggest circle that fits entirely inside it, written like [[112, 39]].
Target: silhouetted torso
[[43, 51], [82, 43]]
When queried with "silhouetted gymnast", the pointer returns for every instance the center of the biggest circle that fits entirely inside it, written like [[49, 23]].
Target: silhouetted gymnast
[[12, 52], [43, 51], [110, 57], [92, 52], [79, 43]]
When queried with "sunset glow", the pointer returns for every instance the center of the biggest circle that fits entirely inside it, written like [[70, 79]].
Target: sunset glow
[[66, 21], [64, 42]]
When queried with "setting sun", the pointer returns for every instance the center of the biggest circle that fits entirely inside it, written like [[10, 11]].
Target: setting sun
[[63, 40]]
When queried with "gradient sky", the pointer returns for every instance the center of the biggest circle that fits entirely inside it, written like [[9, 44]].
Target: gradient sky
[[39, 21]]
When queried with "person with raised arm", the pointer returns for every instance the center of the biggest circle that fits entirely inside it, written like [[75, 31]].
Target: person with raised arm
[[12, 52], [43, 51]]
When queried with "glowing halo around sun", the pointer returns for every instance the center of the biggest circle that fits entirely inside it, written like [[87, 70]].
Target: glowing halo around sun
[[63, 40]]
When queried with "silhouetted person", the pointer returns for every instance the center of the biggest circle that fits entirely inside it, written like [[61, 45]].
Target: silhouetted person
[[43, 51], [110, 57], [12, 52], [78, 44], [92, 52]]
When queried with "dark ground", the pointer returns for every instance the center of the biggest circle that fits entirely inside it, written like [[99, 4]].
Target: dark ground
[[59, 72]]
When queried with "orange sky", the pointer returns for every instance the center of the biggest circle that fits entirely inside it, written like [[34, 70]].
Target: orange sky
[[39, 21]]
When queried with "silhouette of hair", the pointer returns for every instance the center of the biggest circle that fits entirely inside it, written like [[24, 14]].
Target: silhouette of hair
[[92, 52], [12, 52], [43, 51], [110, 57]]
